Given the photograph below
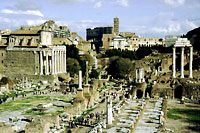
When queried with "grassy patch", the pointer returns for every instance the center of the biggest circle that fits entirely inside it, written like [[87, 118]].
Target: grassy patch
[[23, 104], [32, 112], [192, 115], [10, 106], [30, 102]]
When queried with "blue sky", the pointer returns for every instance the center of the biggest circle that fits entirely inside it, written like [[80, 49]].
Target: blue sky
[[147, 18]]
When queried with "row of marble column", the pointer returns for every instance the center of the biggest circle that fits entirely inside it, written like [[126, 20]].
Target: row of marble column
[[139, 75], [52, 62], [182, 62]]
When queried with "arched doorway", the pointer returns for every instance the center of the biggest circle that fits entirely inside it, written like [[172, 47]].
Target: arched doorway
[[139, 94], [178, 92]]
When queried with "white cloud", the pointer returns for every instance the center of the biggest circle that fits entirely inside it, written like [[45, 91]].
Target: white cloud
[[190, 24], [123, 3], [174, 2], [172, 28], [89, 21], [27, 12], [5, 20], [98, 4], [34, 22], [66, 1]]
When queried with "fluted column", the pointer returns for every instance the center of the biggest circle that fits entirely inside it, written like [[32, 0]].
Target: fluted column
[[41, 63], [65, 66], [55, 62], [174, 62], [52, 57], [182, 62], [60, 61], [191, 59], [47, 63]]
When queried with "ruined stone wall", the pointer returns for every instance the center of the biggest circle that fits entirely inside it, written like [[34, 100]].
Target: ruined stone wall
[[107, 39], [85, 46], [2, 57], [162, 90], [165, 65], [19, 63], [61, 41], [191, 91]]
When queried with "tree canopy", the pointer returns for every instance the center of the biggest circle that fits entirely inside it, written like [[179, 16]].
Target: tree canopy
[[89, 58], [72, 52], [120, 67], [94, 74], [132, 55], [73, 66]]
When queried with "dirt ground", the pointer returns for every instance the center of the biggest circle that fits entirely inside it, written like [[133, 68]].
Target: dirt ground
[[182, 125]]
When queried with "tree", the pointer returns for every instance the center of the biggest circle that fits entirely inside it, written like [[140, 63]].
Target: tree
[[72, 52], [120, 68], [94, 74], [89, 58], [73, 66], [143, 51]]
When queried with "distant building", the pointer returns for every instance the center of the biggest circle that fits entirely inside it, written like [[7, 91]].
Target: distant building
[[128, 35], [171, 39], [121, 43], [116, 26], [149, 42], [95, 35]]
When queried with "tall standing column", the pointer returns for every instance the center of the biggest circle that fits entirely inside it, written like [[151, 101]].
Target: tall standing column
[[174, 62], [55, 62], [182, 62], [136, 79], [41, 63], [65, 65], [58, 55], [191, 58], [47, 63], [60, 61], [52, 57], [86, 73]]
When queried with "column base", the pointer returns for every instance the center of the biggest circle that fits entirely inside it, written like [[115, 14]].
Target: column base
[[182, 76]]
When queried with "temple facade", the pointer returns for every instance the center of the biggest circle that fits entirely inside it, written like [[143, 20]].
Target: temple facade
[[30, 51]]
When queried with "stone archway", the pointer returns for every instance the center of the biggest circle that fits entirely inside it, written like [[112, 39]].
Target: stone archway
[[139, 94]]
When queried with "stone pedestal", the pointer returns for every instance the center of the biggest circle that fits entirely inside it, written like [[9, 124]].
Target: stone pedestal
[[87, 94], [80, 99]]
